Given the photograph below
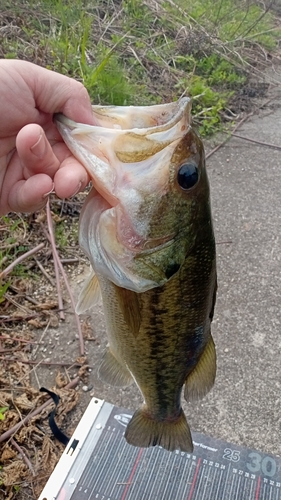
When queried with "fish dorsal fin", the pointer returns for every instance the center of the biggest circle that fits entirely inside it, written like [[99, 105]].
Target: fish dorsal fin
[[114, 373], [89, 295], [201, 380], [130, 307]]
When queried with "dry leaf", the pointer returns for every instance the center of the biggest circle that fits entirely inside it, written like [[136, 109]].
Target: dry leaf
[[61, 380], [7, 453], [11, 419], [36, 323], [81, 360], [23, 403], [13, 473], [41, 216]]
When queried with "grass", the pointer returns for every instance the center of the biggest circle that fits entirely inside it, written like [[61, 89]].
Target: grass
[[131, 52], [135, 52]]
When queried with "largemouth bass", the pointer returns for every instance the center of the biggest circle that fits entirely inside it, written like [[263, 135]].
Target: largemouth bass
[[146, 227]]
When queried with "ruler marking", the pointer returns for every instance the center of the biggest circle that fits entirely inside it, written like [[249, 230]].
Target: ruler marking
[[214, 478], [231, 485], [258, 489], [95, 478], [180, 472], [201, 476], [117, 463], [238, 487], [157, 485], [218, 488], [247, 490], [194, 480], [86, 481], [128, 455], [139, 471], [152, 453], [171, 470], [211, 475], [132, 473], [184, 485], [250, 488], [206, 482]]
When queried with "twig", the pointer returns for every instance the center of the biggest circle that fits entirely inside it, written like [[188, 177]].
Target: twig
[[10, 245], [16, 304], [24, 456], [41, 338], [227, 139], [17, 339], [38, 410], [69, 261], [51, 238], [20, 259], [47, 363], [44, 272], [267, 144], [12, 349], [56, 256], [10, 319]]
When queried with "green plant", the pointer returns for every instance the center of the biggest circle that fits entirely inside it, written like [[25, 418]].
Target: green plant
[[3, 410], [3, 288]]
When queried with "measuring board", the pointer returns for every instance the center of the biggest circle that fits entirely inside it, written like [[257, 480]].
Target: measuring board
[[99, 464]]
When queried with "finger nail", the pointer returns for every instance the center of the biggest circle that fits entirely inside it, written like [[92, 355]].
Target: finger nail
[[49, 192], [38, 149], [78, 189]]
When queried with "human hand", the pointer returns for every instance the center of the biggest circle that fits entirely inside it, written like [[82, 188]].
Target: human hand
[[33, 157]]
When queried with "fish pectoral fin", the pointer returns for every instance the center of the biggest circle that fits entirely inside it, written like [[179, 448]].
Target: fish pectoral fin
[[113, 373], [129, 304], [89, 295], [201, 380], [144, 431]]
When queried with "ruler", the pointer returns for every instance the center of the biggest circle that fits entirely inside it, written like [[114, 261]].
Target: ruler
[[99, 464]]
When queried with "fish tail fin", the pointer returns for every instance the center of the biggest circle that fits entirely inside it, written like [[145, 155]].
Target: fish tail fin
[[202, 378], [144, 431]]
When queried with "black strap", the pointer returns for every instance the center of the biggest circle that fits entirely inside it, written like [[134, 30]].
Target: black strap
[[53, 426]]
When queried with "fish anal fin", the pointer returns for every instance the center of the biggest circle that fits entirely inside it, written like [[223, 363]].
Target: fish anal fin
[[201, 380], [129, 304], [89, 295], [114, 373], [144, 431]]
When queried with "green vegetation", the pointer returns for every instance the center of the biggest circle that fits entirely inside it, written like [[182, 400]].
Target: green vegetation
[[3, 410], [135, 52], [65, 233], [13, 230]]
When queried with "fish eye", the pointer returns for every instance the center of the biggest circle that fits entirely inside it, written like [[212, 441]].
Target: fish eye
[[188, 175]]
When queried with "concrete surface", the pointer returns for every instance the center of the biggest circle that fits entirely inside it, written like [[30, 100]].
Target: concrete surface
[[244, 406]]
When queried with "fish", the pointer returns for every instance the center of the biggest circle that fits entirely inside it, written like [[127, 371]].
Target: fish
[[146, 227]]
